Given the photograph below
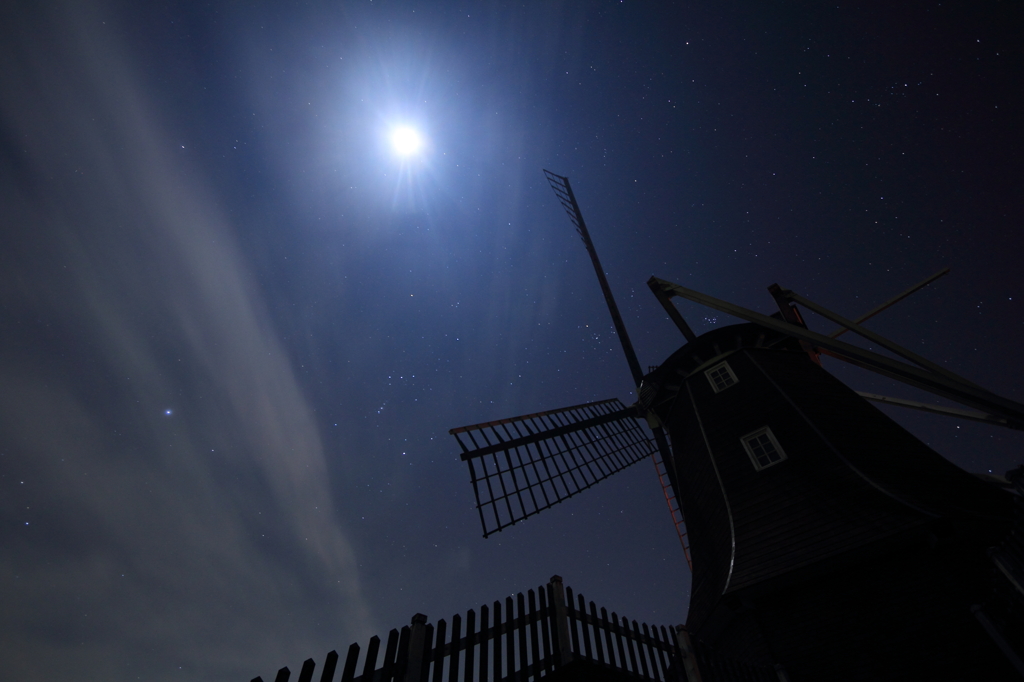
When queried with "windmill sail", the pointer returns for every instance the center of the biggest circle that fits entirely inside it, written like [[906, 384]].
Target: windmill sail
[[563, 190], [523, 465]]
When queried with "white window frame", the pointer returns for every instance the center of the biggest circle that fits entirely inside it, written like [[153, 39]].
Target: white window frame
[[764, 430], [728, 369]]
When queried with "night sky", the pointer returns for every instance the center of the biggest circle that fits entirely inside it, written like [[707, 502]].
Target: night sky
[[235, 326]]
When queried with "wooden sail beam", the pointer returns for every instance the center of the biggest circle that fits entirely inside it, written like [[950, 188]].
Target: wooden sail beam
[[891, 302], [875, 338], [935, 409], [563, 190], [958, 390]]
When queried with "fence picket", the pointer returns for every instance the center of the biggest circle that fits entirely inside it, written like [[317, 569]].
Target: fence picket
[[485, 636], [545, 630], [651, 648], [470, 646], [531, 597], [402, 658], [428, 653], [606, 626], [658, 654], [497, 641], [629, 643], [510, 642], [597, 632], [283, 674], [587, 648], [671, 658], [618, 641], [388, 669], [306, 674], [348, 673], [442, 626], [521, 627], [330, 664], [570, 612], [641, 651], [370, 664], [453, 659]]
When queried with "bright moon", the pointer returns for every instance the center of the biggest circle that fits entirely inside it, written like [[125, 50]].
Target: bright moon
[[406, 141]]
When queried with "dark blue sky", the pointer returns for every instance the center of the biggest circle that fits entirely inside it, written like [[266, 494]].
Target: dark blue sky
[[235, 328]]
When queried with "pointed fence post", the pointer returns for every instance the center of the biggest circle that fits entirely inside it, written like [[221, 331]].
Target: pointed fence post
[[387, 669], [413, 670], [330, 663], [306, 674], [688, 654], [348, 673], [563, 648]]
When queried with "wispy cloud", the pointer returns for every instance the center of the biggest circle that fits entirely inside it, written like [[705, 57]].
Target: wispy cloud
[[204, 538]]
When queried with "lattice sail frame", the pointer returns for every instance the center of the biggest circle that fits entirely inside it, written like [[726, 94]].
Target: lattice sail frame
[[563, 192], [523, 465]]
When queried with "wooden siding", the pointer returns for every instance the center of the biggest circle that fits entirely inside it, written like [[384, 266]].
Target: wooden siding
[[859, 556], [884, 451], [707, 517], [804, 509], [852, 476], [897, 611], [863, 546]]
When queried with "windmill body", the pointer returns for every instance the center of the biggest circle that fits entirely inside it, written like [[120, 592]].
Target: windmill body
[[824, 536], [825, 539]]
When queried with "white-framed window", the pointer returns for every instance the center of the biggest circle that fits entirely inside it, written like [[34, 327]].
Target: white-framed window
[[763, 448], [721, 376]]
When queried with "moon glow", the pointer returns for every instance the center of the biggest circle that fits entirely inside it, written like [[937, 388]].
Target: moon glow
[[406, 141]]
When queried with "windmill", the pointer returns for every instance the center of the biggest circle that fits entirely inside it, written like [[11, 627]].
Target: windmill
[[825, 538], [523, 465]]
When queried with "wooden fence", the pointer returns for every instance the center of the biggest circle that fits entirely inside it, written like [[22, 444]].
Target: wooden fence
[[530, 637]]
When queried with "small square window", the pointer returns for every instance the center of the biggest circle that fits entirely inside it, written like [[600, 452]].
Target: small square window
[[721, 376], [762, 448]]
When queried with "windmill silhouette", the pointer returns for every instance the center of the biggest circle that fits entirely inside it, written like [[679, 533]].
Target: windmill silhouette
[[523, 465], [820, 529]]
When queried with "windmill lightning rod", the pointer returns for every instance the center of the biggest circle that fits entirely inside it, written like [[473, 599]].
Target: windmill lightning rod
[[564, 193]]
